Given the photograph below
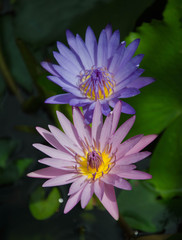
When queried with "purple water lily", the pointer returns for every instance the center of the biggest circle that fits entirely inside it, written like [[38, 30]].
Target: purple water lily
[[89, 71], [93, 160]]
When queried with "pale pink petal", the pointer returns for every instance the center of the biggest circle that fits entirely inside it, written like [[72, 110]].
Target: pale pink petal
[[87, 194], [48, 172], [106, 132], [144, 141], [59, 163], [68, 128], [109, 201], [60, 180], [54, 153], [135, 174], [97, 123], [65, 141], [118, 169], [48, 136], [132, 158], [82, 128], [77, 184], [116, 181], [127, 145], [121, 133], [116, 116], [99, 188], [72, 201]]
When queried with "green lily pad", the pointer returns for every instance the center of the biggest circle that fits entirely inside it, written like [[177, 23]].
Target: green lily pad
[[43, 207], [141, 209]]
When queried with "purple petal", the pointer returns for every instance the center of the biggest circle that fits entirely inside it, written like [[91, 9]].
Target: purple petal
[[105, 108], [83, 53], [75, 101], [128, 92], [121, 133], [117, 58], [72, 41], [109, 201], [130, 50], [145, 140], [97, 123], [135, 174], [113, 43], [126, 108], [102, 50], [88, 112], [66, 64], [48, 67], [68, 76], [91, 44], [79, 183], [87, 194], [48, 172], [108, 30], [60, 99], [99, 188], [60, 180], [72, 201], [127, 145], [141, 82], [67, 53], [116, 116], [132, 158]]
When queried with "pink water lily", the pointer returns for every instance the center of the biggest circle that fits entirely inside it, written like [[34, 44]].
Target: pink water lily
[[93, 160]]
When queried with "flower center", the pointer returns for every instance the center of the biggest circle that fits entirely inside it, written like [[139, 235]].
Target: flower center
[[94, 164], [96, 83], [94, 160]]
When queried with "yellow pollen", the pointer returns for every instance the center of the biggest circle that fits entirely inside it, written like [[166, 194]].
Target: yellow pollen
[[95, 171], [97, 83]]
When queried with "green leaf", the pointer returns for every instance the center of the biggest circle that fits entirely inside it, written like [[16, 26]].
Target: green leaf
[[23, 164], [141, 209], [166, 167], [13, 57], [6, 148], [42, 207]]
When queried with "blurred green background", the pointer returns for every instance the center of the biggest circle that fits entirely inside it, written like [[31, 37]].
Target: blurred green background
[[28, 34]]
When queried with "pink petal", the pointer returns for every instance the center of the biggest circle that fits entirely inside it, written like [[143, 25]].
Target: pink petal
[[116, 181], [97, 123], [72, 201], [77, 185], [65, 141], [48, 136], [80, 125], [60, 180], [106, 132], [68, 128], [59, 163], [121, 133], [145, 140], [99, 188], [48, 172], [54, 153], [127, 145], [109, 201], [135, 174], [119, 169], [116, 116], [87, 194], [132, 158]]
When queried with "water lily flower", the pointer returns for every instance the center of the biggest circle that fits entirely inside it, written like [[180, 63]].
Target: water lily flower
[[89, 71], [93, 160]]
